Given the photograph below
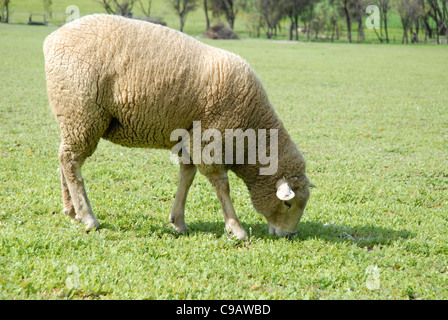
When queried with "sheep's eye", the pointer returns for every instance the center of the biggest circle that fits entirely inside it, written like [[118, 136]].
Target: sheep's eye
[[288, 204]]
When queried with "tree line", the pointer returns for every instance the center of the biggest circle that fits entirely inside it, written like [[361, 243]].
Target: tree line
[[420, 19], [312, 17]]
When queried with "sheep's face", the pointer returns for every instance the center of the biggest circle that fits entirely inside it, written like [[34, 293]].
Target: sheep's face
[[283, 207]]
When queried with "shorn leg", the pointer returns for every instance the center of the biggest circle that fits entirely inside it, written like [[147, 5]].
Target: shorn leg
[[69, 210], [80, 134], [76, 203], [186, 176], [220, 182]]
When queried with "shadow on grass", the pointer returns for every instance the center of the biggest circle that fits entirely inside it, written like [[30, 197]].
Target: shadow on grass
[[365, 236], [360, 235]]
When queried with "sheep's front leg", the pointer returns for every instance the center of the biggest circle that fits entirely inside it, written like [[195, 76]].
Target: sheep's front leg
[[220, 182], [177, 216]]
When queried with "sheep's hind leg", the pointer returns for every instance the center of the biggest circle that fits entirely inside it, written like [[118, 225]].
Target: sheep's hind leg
[[71, 161], [187, 173], [69, 209]]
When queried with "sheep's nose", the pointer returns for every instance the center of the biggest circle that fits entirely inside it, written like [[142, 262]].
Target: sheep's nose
[[273, 230]]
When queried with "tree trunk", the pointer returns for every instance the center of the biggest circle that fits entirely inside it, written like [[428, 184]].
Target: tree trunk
[[385, 27], [427, 28], [230, 14], [404, 40], [417, 28], [437, 26], [182, 22], [379, 36], [361, 37], [7, 12], [332, 32], [348, 22], [207, 20], [231, 22], [308, 29], [291, 27], [383, 19], [296, 25], [445, 13]]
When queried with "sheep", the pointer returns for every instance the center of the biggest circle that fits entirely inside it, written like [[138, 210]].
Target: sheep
[[134, 83]]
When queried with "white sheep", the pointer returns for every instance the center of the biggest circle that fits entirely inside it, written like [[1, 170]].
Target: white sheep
[[134, 83]]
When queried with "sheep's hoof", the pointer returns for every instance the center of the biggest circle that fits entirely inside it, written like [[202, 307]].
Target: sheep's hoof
[[182, 230], [183, 233], [239, 234], [179, 226], [90, 222], [70, 212]]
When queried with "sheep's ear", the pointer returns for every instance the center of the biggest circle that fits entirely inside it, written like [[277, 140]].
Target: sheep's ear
[[284, 191], [309, 183]]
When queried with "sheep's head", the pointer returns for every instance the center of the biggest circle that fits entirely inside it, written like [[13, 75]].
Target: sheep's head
[[283, 204]]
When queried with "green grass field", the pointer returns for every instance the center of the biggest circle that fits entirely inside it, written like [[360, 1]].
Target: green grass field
[[372, 122]]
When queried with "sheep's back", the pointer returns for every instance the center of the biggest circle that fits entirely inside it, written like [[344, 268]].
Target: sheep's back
[[148, 78]]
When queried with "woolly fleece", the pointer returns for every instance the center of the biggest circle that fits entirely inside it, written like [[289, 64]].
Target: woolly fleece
[[134, 82]]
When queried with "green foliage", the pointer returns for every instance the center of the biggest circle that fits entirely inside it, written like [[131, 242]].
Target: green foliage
[[254, 18], [372, 122]]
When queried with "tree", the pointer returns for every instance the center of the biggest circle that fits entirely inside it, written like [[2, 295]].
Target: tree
[[384, 6], [320, 18], [272, 11], [124, 8], [354, 10], [293, 9], [146, 9], [345, 5], [416, 17], [307, 15], [440, 16], [409, 11], [333, 20], [47, 7], [425, 21], [207, 20], [229, 8], [359, 8], [182, 8], [402, 7], [255, 20], [4, 10]]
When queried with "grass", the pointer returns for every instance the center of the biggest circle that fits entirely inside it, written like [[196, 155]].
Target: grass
[[372, 122]]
